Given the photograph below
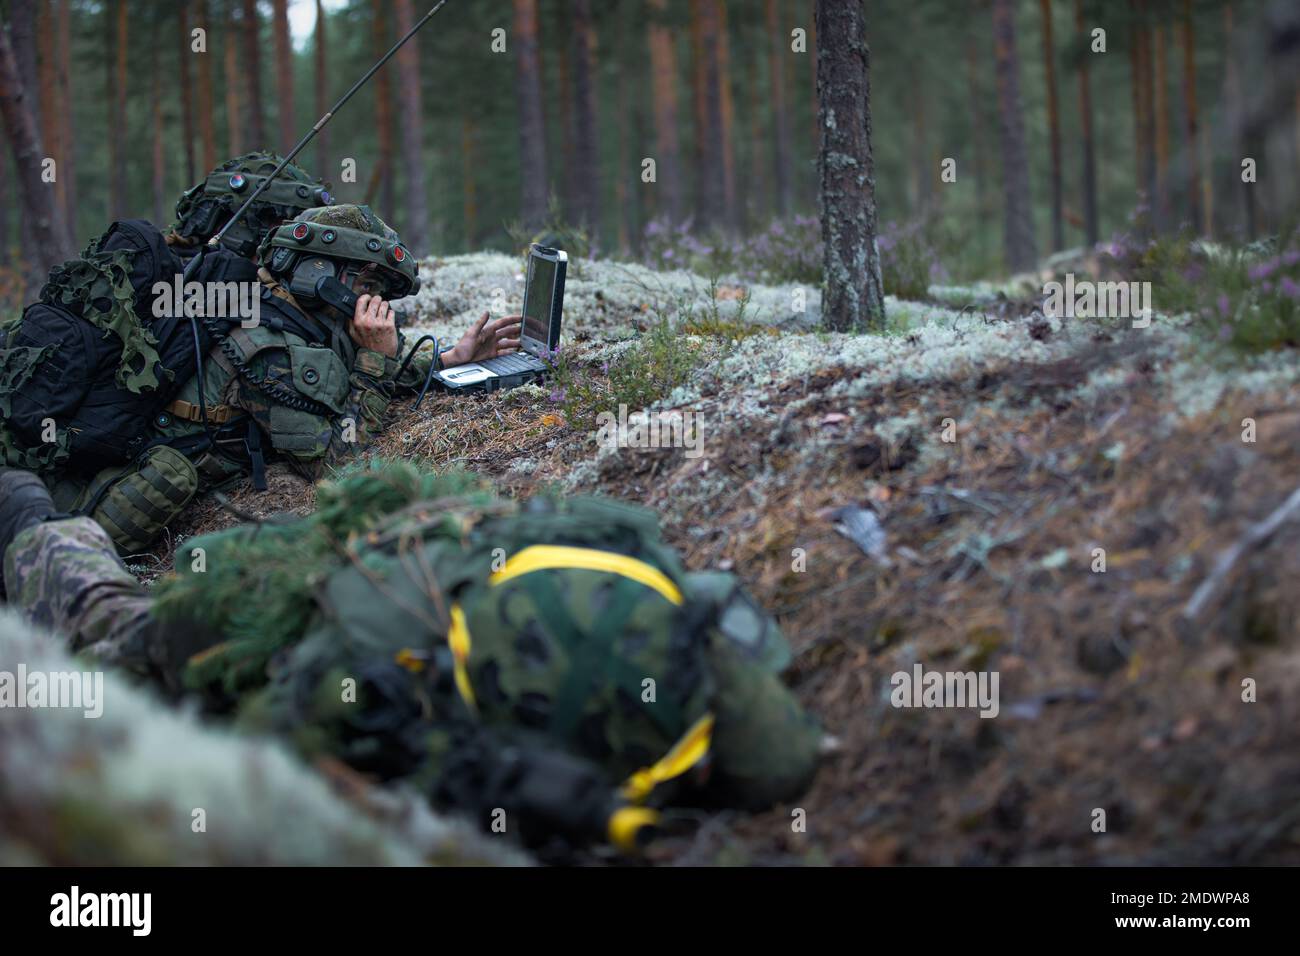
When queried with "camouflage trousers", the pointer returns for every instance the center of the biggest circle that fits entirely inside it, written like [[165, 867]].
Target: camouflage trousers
[[65, 576]]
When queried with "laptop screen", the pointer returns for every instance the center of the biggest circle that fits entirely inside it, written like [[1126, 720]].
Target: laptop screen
[[539, 294]]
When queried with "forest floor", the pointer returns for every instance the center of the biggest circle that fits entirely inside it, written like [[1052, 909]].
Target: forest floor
[[1070, 436]]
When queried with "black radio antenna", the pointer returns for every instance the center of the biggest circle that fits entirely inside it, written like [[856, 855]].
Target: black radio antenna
[[320, 124]]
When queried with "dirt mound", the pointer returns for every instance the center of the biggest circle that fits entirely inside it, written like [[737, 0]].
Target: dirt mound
[[995, 460]]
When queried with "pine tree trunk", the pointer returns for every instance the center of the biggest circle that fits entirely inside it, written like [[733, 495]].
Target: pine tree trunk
[[469, 186], [1091, 220], [1053, 127], [731, 213], [284, 76], [381, 179], [49, 233], [252, 70], [623, 167], [979, 128], [22, 34], [532, 128], [663, 70], [207, 130], [569, 186], [852, 292], [711, 183], [757, 208], [1237, 120], [584, 92], [1160, 104], [1195, 208], [415, 230], [68, 168], [158, 181], [812, 62], [230, 62], [778, 39], [321, 51], [48, 118], [187, 99], [117, 192], [1018, 235]]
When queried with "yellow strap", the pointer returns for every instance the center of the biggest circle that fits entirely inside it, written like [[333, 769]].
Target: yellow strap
[[684, 755], [458, 641], [540, 557], [627, 823]]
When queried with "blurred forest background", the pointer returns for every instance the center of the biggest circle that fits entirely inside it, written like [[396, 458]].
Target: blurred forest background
[[721, 93]]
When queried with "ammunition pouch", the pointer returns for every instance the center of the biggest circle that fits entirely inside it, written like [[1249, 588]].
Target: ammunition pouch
[[134, 506]]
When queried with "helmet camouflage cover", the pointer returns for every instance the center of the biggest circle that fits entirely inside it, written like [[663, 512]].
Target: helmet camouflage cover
[[206, 207], [345, 233]]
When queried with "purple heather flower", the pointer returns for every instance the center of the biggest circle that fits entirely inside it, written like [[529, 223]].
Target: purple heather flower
[[1225, 305], [1288, 287]]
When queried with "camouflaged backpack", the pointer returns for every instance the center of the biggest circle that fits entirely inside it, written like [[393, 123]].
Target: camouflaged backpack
[[92, 359], [566, 619]]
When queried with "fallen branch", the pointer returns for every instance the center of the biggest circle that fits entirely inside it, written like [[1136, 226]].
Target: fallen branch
[[1208, 593]]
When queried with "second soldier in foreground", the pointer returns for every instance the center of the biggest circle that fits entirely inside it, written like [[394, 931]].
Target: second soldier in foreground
[[548, 668]]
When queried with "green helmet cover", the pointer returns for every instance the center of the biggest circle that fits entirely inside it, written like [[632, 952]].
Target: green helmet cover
[[343, 233], [205, 208]]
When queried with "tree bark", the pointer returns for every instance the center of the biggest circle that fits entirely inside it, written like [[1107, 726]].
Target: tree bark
[[230, 62], [50, 125], [778, 37], [710, 173], [117, 190], [469, 187], [158, 180], [67, 139], [284, 75], [569, 186], [852, 290], [187, 99], [532, 128], [1091, 221], [415, 231], [49, 233], [979, 128], [1237, 121], [1160, 104], [207, 131], [1018, 234], [584, 90], [663, 71], [252, 70], [1195, 208], [1053, 127], [22, 33], [321, 51], [731, 212], [382, 177]]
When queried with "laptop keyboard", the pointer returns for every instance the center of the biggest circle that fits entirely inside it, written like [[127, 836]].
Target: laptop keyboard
[[509, 364]]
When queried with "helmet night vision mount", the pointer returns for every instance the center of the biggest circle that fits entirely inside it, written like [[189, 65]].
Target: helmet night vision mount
[[307, 252]]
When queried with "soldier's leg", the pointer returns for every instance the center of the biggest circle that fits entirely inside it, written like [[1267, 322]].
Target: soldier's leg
[[65, 576]]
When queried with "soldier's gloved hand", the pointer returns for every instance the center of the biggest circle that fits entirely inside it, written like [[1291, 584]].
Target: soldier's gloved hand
[[373, 326], [485, 340]]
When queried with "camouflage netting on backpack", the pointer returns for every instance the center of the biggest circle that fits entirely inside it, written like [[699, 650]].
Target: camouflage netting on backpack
[[253, 585], [98, 287], [17, 364]]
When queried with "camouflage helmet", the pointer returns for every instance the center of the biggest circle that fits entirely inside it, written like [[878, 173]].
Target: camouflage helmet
[[206, 207], [334, 239]]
